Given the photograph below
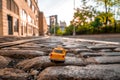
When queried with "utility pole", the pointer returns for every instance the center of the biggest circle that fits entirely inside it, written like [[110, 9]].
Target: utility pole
[[74, 5], [114, 19], [74, 32]]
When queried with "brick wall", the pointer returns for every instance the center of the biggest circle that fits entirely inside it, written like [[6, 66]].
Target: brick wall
[[22, 5], [1, 17], [43, 28], [40, 23]]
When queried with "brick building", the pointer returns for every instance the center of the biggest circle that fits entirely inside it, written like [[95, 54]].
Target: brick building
[[43, 27], [19, 17]]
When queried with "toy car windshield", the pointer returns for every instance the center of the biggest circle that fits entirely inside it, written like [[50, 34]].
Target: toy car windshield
[[58, 51]]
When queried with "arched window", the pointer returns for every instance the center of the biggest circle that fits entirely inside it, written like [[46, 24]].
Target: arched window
[[12, 6], [23, 15], [29, 3], [25, 0]]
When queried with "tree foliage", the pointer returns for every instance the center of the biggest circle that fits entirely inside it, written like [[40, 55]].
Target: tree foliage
[[110, 7], [89, 19], [83, 14], [96, 23], [69, 30], [103, 17]]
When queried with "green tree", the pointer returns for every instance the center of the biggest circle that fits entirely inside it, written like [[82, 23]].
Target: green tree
[[108, 5], [116, 12], [83, 14], [96, 23], [54, 28], [103, 17], [60, 32], [68, 30]]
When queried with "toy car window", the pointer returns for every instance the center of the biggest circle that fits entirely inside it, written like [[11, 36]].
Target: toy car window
[[58, 51]]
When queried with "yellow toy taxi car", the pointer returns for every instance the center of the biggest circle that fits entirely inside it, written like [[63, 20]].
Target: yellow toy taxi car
[[58, 54]]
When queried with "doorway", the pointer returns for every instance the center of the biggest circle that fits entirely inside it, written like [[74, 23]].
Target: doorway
[[10, 27]]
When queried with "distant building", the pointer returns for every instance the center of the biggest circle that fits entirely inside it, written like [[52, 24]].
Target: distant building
[[43, 27], [62, 25], [53, 21], [19, 17]]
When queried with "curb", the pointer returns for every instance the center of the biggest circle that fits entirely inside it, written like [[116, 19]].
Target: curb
[[94, 41]]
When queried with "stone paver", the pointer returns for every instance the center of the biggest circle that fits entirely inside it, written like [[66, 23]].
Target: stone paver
[[4, 61], [111, 53], [81, 73], [44, 62], [21, 54], [78, 51], [12, 74], [90, 54], [117, 49], [102, 47], [104, 60]]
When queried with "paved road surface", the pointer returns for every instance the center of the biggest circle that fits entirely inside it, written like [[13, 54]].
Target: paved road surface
[[94, 60]]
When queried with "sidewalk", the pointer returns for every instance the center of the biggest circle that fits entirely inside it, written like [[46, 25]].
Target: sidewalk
[[7, 44], [100, 37]]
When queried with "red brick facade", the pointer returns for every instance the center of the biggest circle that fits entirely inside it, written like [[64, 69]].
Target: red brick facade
[[43, 27]]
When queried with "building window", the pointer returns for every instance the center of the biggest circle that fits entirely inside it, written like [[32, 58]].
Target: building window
[[12, 6], [29, 19], [16, 26], [23, 15], [21, 28], [25, 27], [16, 9], [9, 4], [32, 21], [36, 1], [0, 4], [29, 3], [30, 29], [25, 0], [33, 8]]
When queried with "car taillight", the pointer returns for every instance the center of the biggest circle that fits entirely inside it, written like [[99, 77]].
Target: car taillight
[[50, 54]]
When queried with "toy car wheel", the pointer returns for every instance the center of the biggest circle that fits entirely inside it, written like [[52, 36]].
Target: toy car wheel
[[52, 61], [62, 61]]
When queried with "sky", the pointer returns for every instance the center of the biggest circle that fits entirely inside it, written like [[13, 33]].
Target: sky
[[62, 8]]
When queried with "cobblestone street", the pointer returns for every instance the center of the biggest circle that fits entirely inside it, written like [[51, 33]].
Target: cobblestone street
[[28, 59], [59, 39]]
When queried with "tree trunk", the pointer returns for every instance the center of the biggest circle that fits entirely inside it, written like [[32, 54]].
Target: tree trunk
[[106, 10]]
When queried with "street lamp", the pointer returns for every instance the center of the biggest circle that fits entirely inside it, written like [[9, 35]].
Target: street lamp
[[114, 19], [75, 23], [74, 5], [74, 32]]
